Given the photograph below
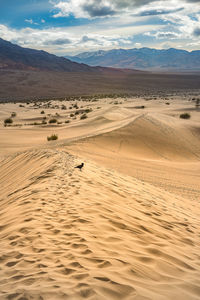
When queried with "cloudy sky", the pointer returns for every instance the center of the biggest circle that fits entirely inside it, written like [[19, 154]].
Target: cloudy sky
[[73, 26]]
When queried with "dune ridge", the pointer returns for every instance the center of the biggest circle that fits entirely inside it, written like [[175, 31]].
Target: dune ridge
[[95, 234]]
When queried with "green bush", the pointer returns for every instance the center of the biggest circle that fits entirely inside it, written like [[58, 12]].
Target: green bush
[[52, 121], [52, 137], [185, 116]]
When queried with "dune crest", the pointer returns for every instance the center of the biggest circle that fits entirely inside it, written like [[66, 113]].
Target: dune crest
[[94, 234]]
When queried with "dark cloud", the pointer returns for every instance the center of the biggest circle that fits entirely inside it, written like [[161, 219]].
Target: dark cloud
[[86, 39], [58, 42], [196, 31], [155, 12], [96, 9]]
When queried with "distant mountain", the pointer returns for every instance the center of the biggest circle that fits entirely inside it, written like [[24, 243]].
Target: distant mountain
[[15, 57], [142, 59]]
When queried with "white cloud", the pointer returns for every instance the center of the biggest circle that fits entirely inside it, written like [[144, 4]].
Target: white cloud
[[158, 22], [30, 21], [164, 35]]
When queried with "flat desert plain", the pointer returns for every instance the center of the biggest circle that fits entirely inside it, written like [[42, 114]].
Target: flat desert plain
[[126, 226]]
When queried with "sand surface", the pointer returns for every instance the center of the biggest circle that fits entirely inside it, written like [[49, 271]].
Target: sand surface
[[126, 226]]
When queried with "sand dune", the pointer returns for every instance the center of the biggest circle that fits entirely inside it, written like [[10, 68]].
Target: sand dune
[[125, 227], [150, 137], [94, 234], [154, 147]]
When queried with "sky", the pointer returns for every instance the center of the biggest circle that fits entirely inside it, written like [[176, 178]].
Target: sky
[[69, 27]]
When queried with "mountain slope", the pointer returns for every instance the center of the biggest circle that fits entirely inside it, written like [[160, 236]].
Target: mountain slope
[[15, 57], [143, 58]]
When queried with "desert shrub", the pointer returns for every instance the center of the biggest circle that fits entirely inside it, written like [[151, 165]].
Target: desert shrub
[[185, 116], [197, 102], [21, 105], [140, 107], [44, 122], [71, 115], [52, 121], [42, 112], [59, 123], [76, 105], [13, 114], [67, 121], [167, 103], [87, 110], [77, 112], [84, 116], [52, 137], [8, 121], [63, 107]]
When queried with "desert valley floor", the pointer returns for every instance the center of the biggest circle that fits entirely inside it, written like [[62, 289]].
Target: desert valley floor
[[127, 225]]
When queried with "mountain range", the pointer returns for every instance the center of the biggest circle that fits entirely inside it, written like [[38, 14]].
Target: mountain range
[[32, 74], [142, 59], [15, 57]]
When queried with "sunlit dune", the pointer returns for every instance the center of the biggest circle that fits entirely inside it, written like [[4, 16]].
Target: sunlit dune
[[126, 226]]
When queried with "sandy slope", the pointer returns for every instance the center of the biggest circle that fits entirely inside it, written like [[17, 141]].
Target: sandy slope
[[154, 147], [94, 234], [125, 227]]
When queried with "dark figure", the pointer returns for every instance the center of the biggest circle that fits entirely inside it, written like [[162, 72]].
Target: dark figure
[[80, 166]]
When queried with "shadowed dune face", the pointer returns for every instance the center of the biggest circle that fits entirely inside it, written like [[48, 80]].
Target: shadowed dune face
[[95, 234]]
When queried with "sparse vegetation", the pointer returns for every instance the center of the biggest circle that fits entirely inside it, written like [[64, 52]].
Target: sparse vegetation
[[67, 121], [197, 102], [52, 137], [8, 121], [84, 116], [87, 110], [13, 114], [140, 107], [42, 112], [185, 116], [71, 115], [52, 121]]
